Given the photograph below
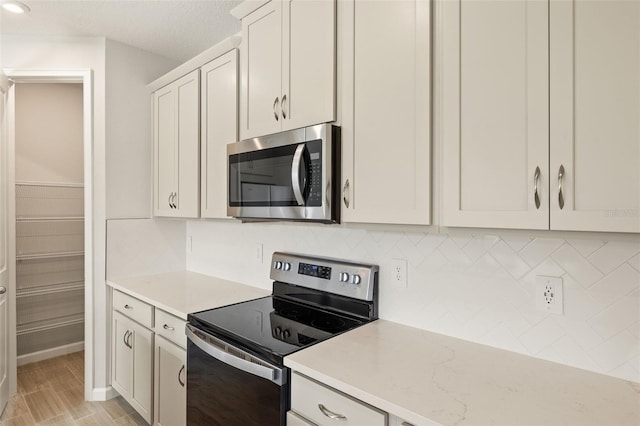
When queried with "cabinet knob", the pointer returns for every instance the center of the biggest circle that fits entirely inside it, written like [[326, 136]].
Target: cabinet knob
[[168, 327]]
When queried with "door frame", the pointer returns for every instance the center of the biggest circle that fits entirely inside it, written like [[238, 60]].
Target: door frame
[[84, 76]]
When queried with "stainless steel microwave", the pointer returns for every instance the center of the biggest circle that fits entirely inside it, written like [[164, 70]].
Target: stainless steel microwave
[[286, 176]]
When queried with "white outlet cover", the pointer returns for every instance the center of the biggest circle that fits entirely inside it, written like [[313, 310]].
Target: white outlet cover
[[549, 294], [398, 274]]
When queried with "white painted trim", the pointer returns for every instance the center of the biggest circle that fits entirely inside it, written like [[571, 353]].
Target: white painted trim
[[196, 62], [84, 76], [103, 394], [50, 353]]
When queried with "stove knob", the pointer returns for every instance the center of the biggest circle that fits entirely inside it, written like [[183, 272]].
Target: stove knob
[[344, 277], [286, 266], [286, 334], [277, 265], [278, 331], [355, 279]]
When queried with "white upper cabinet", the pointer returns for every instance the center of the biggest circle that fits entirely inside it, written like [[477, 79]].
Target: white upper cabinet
[[287, 66], [595, 115], [529, 85], [495, 113], [219, 110], [385, 111], [176, 136]]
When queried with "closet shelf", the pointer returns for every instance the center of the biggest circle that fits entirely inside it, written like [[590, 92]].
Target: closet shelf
[[50, 219], [27, 328], [49, 255], [50, 289]]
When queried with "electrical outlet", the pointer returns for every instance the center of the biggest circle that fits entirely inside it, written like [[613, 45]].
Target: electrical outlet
[[399, 273], [258, 253], [549, 294]]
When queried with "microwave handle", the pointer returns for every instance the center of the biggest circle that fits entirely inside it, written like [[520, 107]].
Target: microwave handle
[[295, 174]]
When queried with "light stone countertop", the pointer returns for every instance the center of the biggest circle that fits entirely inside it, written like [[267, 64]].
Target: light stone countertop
[[428, 378], [184, 292]]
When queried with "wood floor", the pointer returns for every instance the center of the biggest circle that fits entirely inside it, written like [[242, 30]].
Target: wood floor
[[51, 392]]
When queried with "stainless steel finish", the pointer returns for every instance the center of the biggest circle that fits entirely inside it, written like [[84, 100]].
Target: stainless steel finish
[[282, 106], [344, 193], [275, 112], [331, 414], [295, 174], [366, 273], [234, 356], [536, 197], [128, 307], [560, 195], [180, 374], [168, 327], [291, 137], [3, 289]]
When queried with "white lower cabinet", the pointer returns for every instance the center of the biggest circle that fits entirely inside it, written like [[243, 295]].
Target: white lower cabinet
[[132, 364], [295, 420], [170, 394], [322, 405]]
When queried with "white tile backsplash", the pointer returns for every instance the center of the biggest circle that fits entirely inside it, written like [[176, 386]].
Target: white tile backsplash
[[472, 285]]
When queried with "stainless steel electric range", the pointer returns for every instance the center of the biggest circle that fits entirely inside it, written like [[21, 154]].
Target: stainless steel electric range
[[235, 369]]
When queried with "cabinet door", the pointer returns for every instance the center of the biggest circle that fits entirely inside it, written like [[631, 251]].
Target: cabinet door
[[142, 375], [121, 355], [260, 112], [308, 62], [595, 115], [386, 111], [188, 146], [170, 380], [219, 109], [493, 76], [164, 137]]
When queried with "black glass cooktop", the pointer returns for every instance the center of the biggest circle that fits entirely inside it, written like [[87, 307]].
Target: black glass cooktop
[[272, 326]]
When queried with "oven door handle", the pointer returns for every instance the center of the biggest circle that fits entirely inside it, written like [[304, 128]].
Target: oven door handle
[[272, 374]]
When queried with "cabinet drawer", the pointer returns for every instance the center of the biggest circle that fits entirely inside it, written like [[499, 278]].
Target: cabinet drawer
[[319, 403], [134, 308], [295, 420], [171, 328]]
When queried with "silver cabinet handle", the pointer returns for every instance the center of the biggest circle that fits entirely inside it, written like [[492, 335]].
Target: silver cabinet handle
[[3, 290], [331, 414], [536, 196], [275, 112], [128, 307], [169, 200], [282, 107], [173, 200], [127, 342], [560, 178], [406, 424], [344, 193], [168, 327], [180, 374], [124, 338], [295, 174]]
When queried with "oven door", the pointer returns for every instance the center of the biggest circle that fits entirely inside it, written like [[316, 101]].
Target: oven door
[[227, 386], [282, 176]]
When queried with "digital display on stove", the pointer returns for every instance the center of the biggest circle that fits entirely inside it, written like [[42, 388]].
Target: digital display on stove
[[314, 270]]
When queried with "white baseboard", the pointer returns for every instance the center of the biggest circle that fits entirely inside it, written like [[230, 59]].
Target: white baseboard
[[50, 353], [103, 394]]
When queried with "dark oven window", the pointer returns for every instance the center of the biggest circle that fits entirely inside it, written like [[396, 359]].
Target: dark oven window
[[221, 395]]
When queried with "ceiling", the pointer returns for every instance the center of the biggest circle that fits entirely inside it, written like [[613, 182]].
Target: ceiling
[[176, 29]]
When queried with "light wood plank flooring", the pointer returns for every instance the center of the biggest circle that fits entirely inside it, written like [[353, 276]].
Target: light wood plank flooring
[[51, 392]]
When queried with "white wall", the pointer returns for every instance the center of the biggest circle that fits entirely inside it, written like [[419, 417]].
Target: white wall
[[49, 132], [128, 117], [145, 246], [474, 285]]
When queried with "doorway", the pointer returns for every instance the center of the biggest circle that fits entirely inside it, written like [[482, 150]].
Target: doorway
[[58, 273]]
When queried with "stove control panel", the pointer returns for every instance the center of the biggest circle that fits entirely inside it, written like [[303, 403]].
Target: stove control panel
[[335, 276]]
